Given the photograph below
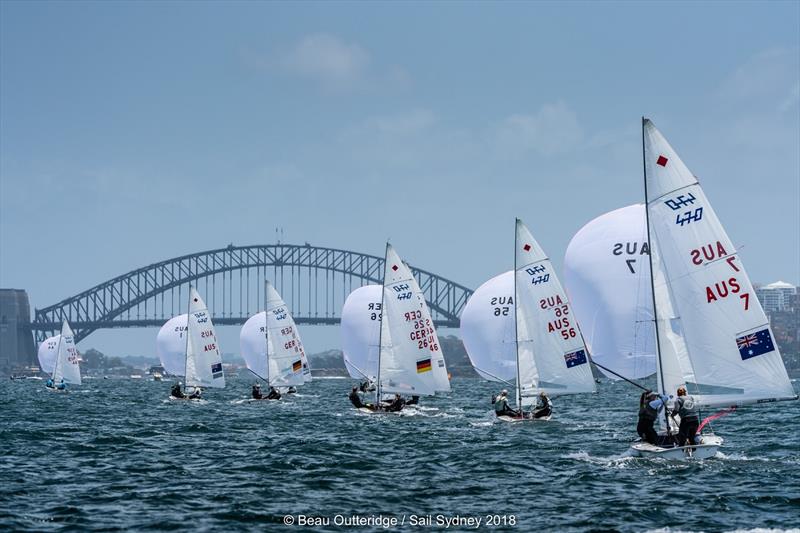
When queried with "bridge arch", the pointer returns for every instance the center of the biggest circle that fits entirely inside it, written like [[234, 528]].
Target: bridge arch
[[314, 281]]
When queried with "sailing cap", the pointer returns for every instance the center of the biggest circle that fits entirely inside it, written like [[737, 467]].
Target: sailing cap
[[503, 392]]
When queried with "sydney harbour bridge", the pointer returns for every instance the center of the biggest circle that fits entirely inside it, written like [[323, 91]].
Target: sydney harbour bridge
[[313, 281]]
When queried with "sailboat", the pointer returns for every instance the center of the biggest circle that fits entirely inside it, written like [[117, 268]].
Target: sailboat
[[712, 335], [271, 345], [60, 358], [409, 352], [361, 332], [203, 362], [548, 350]]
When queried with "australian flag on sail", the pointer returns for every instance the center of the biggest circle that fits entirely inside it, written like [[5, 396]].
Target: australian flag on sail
[[575, 358], [753, 344], [216, 370]]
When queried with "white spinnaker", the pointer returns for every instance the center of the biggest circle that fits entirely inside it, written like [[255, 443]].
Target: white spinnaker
[[731, 356], [607, 278], [407, 350], [361, 328], [48, 352], [253, 346], [203, 360], [67, 365], [171, 345], [286, 346], [487, 329], [551, 354]]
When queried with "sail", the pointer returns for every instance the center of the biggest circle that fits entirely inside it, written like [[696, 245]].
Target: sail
[[725, 352], [360, 328], [408, 345], [203, 360], [439, 373], [551, 356], [171, 345], [286, 347], [487, 329], [67, 365], [607, 278], [253, 346], [48, 351]]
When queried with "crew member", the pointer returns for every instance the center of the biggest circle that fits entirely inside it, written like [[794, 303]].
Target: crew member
[[273, 394], [687, 409], [544, 407], [649, 407], [501, 407]]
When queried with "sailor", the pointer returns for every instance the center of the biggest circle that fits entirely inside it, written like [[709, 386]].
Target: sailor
[[501, 407], [649, 406], [291, 390], [396, 404], [686, 407], [196, 394], [257, 391], [176, 391], [544, 408], [355, 399], [366, 386], [414, 400], [49, 383], [61, 385], [273, 394]]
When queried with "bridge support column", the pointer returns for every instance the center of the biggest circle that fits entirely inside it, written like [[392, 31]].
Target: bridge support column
[[16, 339]]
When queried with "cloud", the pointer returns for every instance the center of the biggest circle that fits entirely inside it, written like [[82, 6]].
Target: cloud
[[554, 129], [327, 59], [768, 80]]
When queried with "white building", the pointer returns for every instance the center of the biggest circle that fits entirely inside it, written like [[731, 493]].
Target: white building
[[778, 296]]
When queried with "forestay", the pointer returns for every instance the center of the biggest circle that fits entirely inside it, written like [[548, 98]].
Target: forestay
[[607, 278], [67, 366], [409, 347], [551, 354], [361, 328], [171, 345], [714, 335], [488, 331], [203, 360], [47, 354]]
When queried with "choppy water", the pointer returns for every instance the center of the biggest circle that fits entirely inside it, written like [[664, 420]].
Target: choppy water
[[116, 455]]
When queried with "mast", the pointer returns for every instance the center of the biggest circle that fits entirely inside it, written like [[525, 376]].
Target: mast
[[186, 358], [58, 355], [660, 378], [516, 329], [380, 328], [266, 326]]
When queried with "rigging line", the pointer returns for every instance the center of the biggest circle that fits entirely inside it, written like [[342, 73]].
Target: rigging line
[[510, 384], [620, 376]]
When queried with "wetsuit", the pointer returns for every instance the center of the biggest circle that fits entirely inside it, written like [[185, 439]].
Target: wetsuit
[[686, 408], [648, 412], [396, 405], [257, 393], [545, 408], [413, 401], [176, 392], [273, 394], [355, 399], [501, 407]]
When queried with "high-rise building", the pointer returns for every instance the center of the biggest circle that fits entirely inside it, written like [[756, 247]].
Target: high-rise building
[[16, 340], [778, 296]]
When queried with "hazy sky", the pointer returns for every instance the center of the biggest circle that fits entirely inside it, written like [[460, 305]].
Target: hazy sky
[[132, 132]]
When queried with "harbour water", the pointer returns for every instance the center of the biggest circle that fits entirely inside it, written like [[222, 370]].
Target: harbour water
[[117, 455]]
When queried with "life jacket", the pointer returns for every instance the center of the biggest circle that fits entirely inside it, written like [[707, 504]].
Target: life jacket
[[687, 407], [648, 412], [500, 404]]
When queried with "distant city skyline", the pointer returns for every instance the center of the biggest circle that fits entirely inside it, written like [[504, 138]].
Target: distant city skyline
[[135, 132]]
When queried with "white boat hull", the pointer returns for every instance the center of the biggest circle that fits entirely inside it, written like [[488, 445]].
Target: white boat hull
[[524, 418], [711, 444]]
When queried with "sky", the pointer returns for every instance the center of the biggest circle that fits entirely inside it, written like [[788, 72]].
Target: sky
[[134, 132]]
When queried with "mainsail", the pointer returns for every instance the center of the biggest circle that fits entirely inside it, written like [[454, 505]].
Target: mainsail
[[551, 356], [712, 333], [360, 328], [409, 347], [47, 354], [171, 345], [271, 345], [203, 360], [607, 277], [67, 365]]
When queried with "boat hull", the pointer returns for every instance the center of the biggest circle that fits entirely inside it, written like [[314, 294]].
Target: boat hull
[[524, 418], [711, 444]]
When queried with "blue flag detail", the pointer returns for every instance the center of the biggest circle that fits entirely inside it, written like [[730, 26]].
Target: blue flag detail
[[216, 370], [575, 358], [754, 344]]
